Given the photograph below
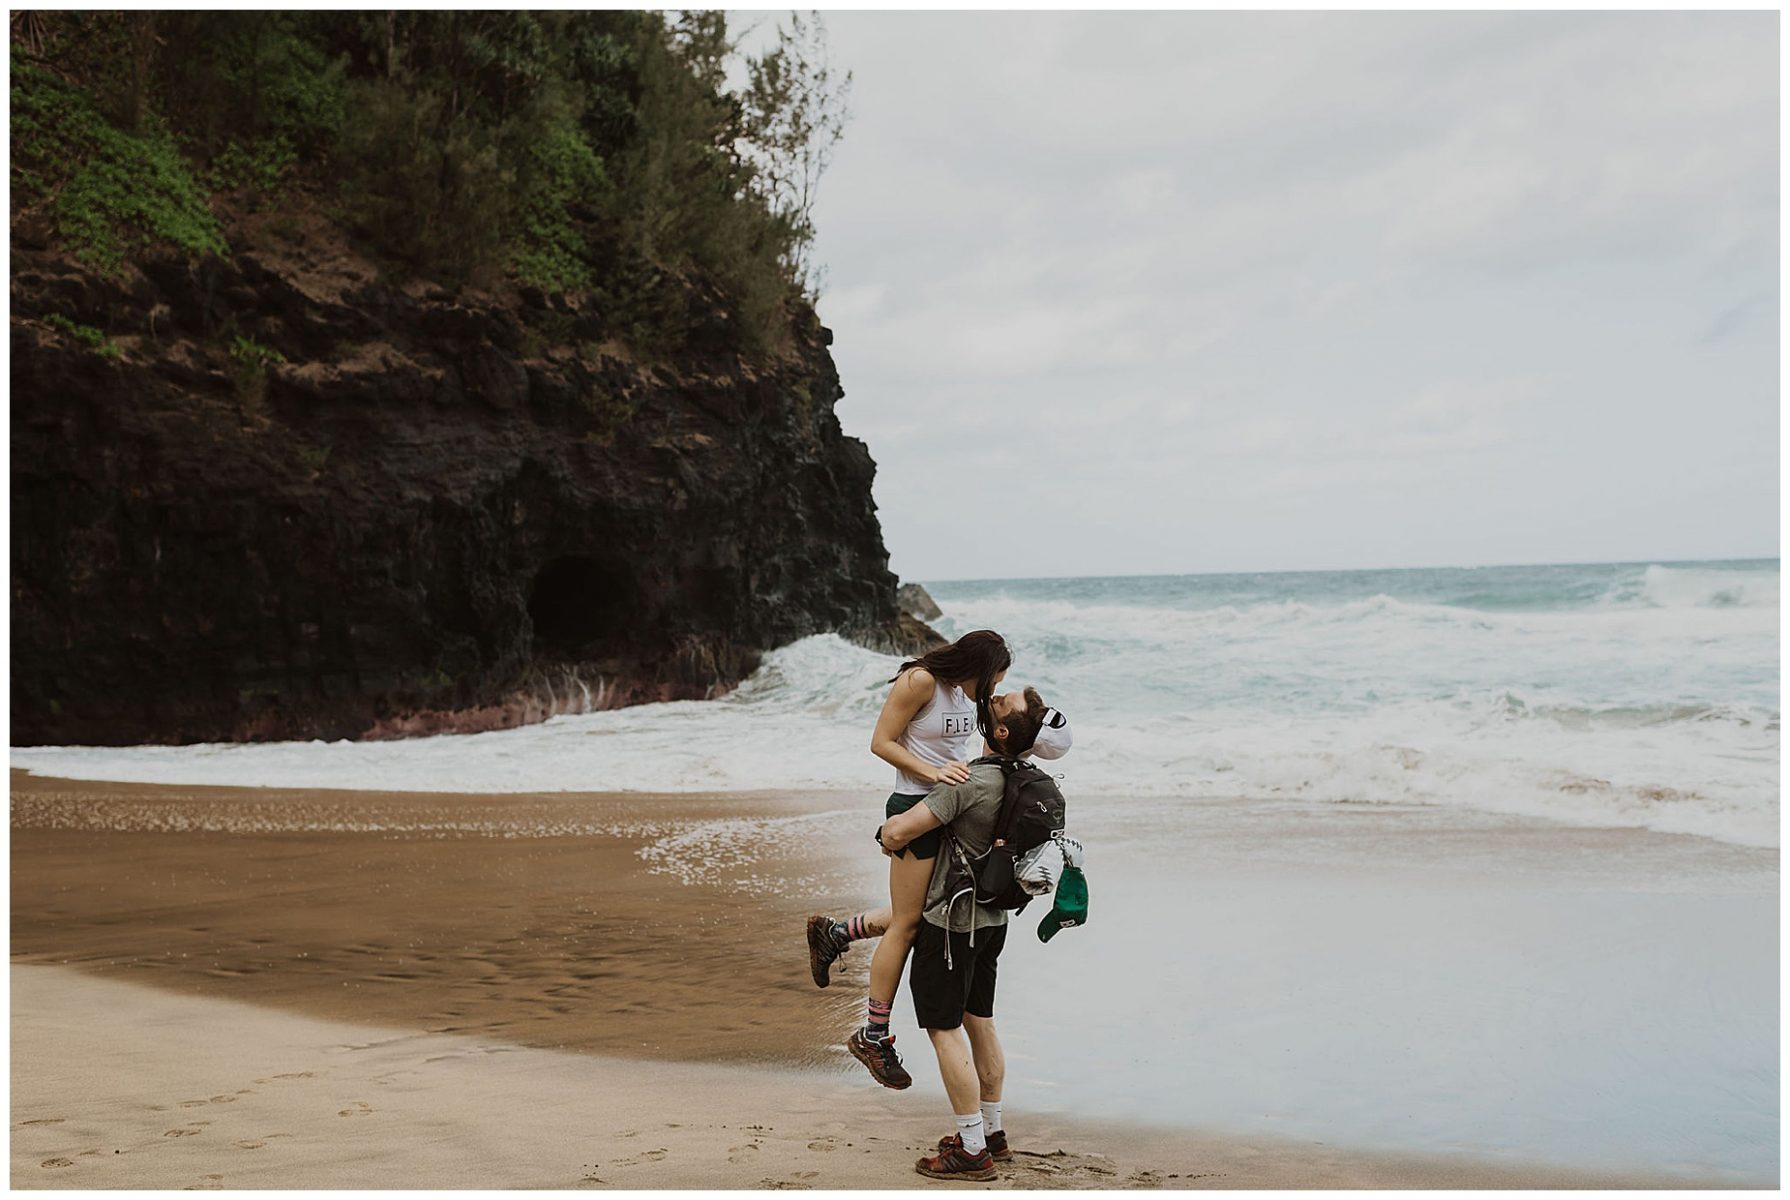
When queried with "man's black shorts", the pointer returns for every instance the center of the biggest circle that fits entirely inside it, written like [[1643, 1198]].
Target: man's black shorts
[[942, 995]]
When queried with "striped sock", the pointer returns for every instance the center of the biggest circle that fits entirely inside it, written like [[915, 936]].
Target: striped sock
[[878, 1026], [852, 929]]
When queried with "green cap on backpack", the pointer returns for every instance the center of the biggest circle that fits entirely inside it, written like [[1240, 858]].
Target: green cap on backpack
[[1071, 908]]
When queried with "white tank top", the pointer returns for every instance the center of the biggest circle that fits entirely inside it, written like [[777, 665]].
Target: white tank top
[[940, 733]]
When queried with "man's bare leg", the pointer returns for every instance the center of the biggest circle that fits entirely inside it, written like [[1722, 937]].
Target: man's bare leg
[[990, 1059], [958, 1070], [991, 1076]]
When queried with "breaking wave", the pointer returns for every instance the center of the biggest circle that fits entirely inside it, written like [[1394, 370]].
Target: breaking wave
[[1637, 696]]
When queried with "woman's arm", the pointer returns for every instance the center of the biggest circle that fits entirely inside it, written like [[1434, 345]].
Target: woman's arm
[[907, 697]]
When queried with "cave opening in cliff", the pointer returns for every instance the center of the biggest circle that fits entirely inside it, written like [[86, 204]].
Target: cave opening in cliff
[[579, 604]]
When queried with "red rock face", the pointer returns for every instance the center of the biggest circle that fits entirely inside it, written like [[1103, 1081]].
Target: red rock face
[[429, 512]]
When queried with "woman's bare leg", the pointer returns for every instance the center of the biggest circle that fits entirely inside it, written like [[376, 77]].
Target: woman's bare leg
[[908, 877]]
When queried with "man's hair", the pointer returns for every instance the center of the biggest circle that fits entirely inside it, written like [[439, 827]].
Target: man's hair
[[1022, 727]]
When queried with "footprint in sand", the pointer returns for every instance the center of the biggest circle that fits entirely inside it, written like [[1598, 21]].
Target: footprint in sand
[[249, 1144], [207, 1183], [58, 1162], [189, 1131], [823, 1144], [741, 1154], [44, 1121], [361, 1109]]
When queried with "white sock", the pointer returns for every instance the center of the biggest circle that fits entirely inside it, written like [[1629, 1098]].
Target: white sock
[[970, 1130], [991, 1116]]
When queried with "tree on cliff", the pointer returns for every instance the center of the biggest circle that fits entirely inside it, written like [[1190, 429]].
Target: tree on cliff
[[597, 152], [795, 113]]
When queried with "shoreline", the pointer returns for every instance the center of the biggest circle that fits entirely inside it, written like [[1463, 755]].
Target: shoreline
[[632, 941]]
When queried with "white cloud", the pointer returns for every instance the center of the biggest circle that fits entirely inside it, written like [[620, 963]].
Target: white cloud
[[1255, 280]]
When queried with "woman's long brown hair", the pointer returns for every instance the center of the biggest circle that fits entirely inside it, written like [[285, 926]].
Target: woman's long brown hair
[[978, 656]]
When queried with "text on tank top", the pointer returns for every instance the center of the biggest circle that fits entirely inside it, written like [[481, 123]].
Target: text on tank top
[[940, 733]]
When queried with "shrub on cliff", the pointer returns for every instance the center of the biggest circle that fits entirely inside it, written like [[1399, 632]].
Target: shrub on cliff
[[422, 190], [109, 193], [562, 186]]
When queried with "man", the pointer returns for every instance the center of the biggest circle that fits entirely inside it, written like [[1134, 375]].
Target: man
[[955, 955]]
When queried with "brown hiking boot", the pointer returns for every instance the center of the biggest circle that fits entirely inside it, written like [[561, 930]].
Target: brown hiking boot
[[997, 1145], [885, 1065], [953, 1163], [823, 950]]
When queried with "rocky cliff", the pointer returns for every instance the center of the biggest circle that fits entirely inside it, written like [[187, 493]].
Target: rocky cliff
[[279, 495]]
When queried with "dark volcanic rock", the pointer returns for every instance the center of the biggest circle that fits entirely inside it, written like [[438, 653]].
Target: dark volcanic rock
[[917, 602], [427, 517]]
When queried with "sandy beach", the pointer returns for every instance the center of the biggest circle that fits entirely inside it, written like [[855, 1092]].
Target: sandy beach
[[220, 987]]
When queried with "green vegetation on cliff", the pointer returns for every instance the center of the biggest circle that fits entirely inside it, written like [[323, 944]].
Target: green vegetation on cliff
[[602, 153]]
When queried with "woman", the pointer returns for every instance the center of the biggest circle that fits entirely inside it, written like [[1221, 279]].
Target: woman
[[938, 705]]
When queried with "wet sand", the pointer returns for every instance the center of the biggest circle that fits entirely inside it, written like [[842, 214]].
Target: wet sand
[[534, 920], [395, 989]]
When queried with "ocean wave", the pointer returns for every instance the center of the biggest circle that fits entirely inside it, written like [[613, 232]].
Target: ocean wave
[[1645, 697], [1696, 587], [1709, 770]]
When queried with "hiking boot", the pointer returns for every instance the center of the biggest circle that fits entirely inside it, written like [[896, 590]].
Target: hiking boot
[[997, 1145], [885, 1065], [823, 949], [953, 1163]]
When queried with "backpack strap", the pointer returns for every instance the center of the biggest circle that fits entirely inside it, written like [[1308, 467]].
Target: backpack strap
[[1009, 810], [1005, 762]]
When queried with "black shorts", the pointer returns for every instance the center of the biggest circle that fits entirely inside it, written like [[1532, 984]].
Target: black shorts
[[927, 844], [943, 994]]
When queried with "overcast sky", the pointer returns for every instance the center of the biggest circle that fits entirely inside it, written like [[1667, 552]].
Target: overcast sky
[[1181, 292]]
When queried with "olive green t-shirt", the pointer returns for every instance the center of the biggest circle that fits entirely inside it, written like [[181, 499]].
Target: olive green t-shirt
[[969, 809]]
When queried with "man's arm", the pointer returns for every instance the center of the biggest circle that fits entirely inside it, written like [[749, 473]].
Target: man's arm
[[942, 803], [903, 828]]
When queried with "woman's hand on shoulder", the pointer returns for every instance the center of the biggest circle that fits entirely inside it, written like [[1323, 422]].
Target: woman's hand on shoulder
[[955, 772]]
